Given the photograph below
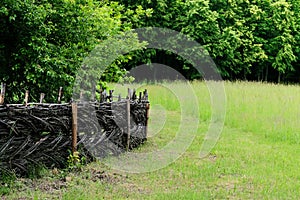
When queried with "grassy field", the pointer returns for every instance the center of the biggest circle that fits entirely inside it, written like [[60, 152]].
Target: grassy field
[[257, 155]]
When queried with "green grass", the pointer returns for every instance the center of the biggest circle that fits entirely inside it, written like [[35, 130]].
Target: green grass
[[256, 157]]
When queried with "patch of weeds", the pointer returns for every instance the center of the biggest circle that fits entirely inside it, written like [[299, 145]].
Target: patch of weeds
[[37, 171], [7, 182], [75, 161]]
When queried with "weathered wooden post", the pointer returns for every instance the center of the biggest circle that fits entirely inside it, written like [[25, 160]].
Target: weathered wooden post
[[26, 97], [145, 95], [147, 111], [81, 96], [93, 95], [74, 127], [103, 96], [147, 118], [128, 119], [111, 98], [42, 96], [59, 95], [140, 97], [2, 94]]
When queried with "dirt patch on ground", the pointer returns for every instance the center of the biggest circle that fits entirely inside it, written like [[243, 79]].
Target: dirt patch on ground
[[117, 178], [58, 182], [49, 186], [108, 177]]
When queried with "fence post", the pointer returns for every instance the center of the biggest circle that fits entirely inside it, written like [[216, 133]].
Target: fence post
[[93, 95], [42, 96], [59, 95], [140, 97], [81, 96], [111, 98], [147, 118], [2, 94], [128, 119], [26, 97], [74, 127]]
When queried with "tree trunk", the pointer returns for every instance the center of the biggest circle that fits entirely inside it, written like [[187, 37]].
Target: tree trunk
[[267, 72]]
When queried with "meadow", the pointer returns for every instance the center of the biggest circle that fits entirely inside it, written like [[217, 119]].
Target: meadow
[[256, 157]]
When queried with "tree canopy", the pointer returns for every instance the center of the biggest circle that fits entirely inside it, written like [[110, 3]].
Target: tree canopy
[[43, 43], [252, 40]]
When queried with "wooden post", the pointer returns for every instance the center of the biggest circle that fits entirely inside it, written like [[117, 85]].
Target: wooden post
[[74, 127], [42, 96], [140, 97], [134, 95], [93, 95], [145, 95], [81, 96], [103, 96], [26, 97], [130, 93], [147, 118], [128, 120], [111, 98], [2, 94], [59, 95]]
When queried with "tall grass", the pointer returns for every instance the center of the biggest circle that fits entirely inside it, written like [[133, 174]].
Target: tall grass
[[268, 110], [256, 157]]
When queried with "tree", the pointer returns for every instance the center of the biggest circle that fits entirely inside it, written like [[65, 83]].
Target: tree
[[248, 40], [43, 43], [279, 47]]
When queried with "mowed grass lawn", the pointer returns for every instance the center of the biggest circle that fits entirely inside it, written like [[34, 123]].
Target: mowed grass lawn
[[257, 155]]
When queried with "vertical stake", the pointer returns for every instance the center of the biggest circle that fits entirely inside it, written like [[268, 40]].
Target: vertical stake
[[145, 95], [81, 96], [134, 95], [26, 97], [93, 95], [2, 94], [59, 95], [42, 96], [140, 97], [111, 98], [74, 127], [147, 118], [104, 96], [128, 120]]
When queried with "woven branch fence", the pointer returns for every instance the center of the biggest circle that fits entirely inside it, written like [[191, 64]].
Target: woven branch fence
[[40, 133]]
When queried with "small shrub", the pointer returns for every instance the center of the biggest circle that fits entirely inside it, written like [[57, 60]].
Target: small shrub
[[75, 161]]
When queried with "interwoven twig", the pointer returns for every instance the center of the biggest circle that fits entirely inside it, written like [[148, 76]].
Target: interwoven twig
[[41, 133]]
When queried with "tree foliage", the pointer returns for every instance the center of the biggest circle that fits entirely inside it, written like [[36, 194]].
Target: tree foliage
[[255, 40], [43, 43]]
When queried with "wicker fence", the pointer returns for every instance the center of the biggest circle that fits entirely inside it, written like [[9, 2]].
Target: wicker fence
[[42, 133]]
